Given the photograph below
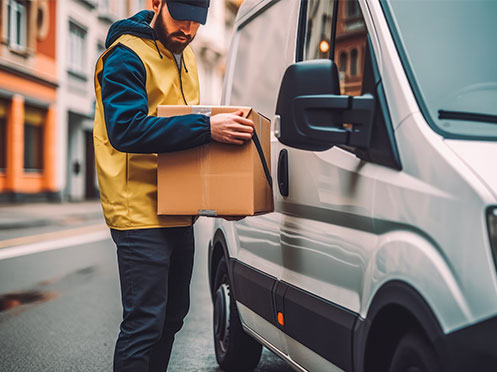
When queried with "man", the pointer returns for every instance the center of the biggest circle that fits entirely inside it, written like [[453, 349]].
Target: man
[[148, 63]]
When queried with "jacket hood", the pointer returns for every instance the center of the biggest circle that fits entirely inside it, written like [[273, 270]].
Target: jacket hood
[[138, 25]]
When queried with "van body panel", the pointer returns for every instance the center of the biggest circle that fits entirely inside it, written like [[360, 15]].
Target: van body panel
[[478, 156], [425, 199], [249, 8], [407, 257], [322, 254]]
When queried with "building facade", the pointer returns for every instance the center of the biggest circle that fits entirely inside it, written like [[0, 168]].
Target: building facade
[[350, 47], [83, 26], [28, 99]]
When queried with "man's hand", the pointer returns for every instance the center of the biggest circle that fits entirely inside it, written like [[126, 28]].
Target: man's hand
[[231, 128]]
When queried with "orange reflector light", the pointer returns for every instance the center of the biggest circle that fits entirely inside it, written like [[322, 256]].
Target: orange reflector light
[[281, 320]]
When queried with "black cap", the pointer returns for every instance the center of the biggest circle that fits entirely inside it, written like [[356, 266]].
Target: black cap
[[188, 10]]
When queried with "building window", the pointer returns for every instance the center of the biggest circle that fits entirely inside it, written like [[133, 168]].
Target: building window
[[353, 62], [353, 9], [318, 38], [77, 50], [111, 9], [351, 36], [3, 134], [342, 62], [104, 6], [34, 119], [43, 19], [17, 24]]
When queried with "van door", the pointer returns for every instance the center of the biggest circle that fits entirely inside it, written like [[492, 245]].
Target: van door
[[327, 233], [263, 45]]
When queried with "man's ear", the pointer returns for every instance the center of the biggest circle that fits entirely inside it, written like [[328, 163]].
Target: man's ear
[[156, 6]]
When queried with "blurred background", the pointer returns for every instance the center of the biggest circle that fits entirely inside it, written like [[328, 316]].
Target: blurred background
[[48, 50]]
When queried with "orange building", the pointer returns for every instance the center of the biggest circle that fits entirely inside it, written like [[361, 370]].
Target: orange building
[[350, 47], [28, 91]]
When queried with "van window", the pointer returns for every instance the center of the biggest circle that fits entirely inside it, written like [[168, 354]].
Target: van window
[[446, 48], [318, 33], [348, 47], [260, 59], [349, 44]]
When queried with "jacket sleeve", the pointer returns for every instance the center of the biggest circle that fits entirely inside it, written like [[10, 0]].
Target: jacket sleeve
[[125, 103]]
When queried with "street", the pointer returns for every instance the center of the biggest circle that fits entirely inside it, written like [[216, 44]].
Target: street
[[60, 308]]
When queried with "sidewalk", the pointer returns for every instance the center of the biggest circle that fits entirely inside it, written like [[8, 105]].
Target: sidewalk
[[21, 216]]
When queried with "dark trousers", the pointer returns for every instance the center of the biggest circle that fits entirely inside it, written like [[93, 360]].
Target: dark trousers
[[155, 269]]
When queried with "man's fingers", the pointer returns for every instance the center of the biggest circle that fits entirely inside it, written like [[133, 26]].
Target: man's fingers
[[242, 128], [231, 128], [246, 122]]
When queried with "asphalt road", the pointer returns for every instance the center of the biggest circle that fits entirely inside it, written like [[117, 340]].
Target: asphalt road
[[60, 311]]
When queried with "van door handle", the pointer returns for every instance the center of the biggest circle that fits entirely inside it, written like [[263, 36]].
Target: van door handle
[[283, 172]]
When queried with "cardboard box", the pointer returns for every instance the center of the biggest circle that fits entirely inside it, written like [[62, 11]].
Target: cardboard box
[[216, 179]]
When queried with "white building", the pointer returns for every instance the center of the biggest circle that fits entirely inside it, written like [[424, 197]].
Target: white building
[[210, 51], [82, 28]]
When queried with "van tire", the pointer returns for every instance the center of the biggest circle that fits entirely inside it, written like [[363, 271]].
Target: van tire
[[414, 353], [235, 350]]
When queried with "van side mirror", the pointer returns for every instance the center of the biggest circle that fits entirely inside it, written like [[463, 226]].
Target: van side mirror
[[312, 113]]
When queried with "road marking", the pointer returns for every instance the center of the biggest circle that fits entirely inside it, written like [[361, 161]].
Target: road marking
[[51, 235], [51, 241]]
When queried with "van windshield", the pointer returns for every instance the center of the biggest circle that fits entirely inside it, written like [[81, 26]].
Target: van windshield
[[449, 53]]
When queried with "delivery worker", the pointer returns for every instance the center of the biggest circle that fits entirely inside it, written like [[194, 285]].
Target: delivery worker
[[148, 63]]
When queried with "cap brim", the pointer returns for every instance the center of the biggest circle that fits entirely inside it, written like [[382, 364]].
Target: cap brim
[[187, 12]]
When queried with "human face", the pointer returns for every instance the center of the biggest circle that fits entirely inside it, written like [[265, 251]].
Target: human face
[[174, 35]]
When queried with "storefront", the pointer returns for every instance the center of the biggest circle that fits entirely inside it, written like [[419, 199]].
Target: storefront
[[28, 92]]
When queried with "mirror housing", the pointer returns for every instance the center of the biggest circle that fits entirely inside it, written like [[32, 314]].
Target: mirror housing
[[311, 113]]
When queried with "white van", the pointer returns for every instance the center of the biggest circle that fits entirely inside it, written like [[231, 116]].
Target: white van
[[381, 253]]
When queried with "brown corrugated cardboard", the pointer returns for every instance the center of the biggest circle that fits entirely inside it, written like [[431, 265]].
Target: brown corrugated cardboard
[[216, 179]]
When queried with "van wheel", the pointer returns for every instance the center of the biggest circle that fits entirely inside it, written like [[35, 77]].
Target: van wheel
[[235, 350], [414, 353]]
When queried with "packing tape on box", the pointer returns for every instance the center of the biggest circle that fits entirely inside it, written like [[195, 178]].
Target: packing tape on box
[[207, 212], [202, 110]]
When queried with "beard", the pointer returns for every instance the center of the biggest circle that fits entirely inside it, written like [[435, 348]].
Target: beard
[[166, 38]]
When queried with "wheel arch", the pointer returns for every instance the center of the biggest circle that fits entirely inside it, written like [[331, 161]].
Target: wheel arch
[[396, 308], [218, 248]]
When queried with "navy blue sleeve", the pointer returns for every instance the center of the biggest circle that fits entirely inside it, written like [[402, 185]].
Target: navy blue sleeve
[[125, 103]]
